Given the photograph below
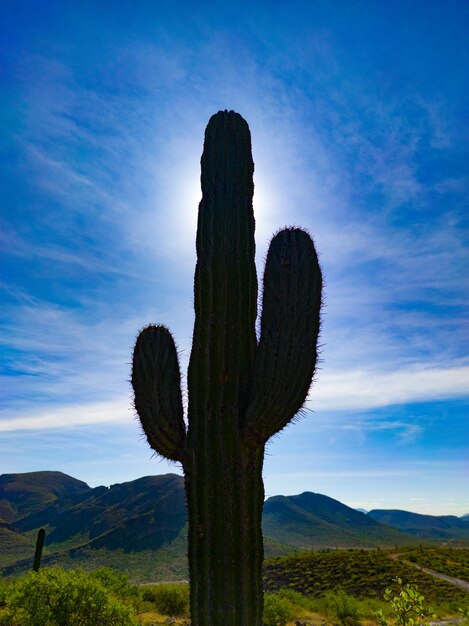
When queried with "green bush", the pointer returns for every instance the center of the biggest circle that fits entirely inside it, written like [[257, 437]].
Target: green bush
[[172, 599], [297, 599], [340, 605], [117, 583], [464, 619], [3, 591], [148, 594], [278, 610], [56, 597]]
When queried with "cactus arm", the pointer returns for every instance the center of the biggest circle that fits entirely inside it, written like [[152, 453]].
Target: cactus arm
[[156, 380], [286, 355]]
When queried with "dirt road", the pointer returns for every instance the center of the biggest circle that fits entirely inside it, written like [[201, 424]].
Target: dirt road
[[457, 582]]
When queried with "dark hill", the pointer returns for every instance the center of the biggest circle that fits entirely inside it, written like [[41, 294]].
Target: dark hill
[[137, 515], [312, 519], [446, 527], [23, 494]]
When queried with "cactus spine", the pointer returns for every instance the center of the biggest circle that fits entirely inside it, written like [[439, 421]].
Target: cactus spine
[[241, 391], [38, 553]]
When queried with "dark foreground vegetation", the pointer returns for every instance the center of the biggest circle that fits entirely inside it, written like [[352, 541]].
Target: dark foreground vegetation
[[344, 588]]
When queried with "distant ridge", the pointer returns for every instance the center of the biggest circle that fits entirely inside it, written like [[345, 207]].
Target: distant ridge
[[441, 527], [312, 519], [143, 523]]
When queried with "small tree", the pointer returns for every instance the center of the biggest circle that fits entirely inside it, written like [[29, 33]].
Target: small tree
[[408, 607]]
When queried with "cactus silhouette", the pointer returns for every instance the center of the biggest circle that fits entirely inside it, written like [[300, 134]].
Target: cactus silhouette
[[38, 553], [241, 391]]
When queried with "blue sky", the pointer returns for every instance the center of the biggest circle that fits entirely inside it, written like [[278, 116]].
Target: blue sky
[[358, 113]]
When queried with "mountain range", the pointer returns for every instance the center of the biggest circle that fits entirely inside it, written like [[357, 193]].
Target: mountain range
[[141, 525], [443, 527]]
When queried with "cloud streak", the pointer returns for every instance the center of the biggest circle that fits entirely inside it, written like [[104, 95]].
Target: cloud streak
[[362, 389], [65, 417], [349, 391]]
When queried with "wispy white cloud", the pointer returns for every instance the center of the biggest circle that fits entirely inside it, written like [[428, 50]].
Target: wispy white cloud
[[407, 431], [346, 473], [57, 353], [89, 260], [65, 417], [366, 389]]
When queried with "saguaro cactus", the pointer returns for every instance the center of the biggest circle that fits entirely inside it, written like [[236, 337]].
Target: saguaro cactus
[[241, 391], [41, 535]]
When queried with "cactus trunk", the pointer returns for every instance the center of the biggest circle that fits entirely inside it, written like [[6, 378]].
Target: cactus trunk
[[240, 391], [225, 538], [223, 474]]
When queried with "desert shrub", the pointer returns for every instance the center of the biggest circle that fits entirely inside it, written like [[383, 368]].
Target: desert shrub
[[117, 583], [464, 613], [3, 591], [278, 610], [342, 606], [172, 599], [56, 597], [298, 599], [148, 594]]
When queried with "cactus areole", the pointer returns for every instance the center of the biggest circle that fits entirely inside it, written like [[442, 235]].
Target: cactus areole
[[241, 390]]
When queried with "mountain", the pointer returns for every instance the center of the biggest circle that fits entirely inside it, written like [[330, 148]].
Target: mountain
[[23, 494], [143, 513], [441, 527], [314, 520], [137, 526], [141, 525]]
